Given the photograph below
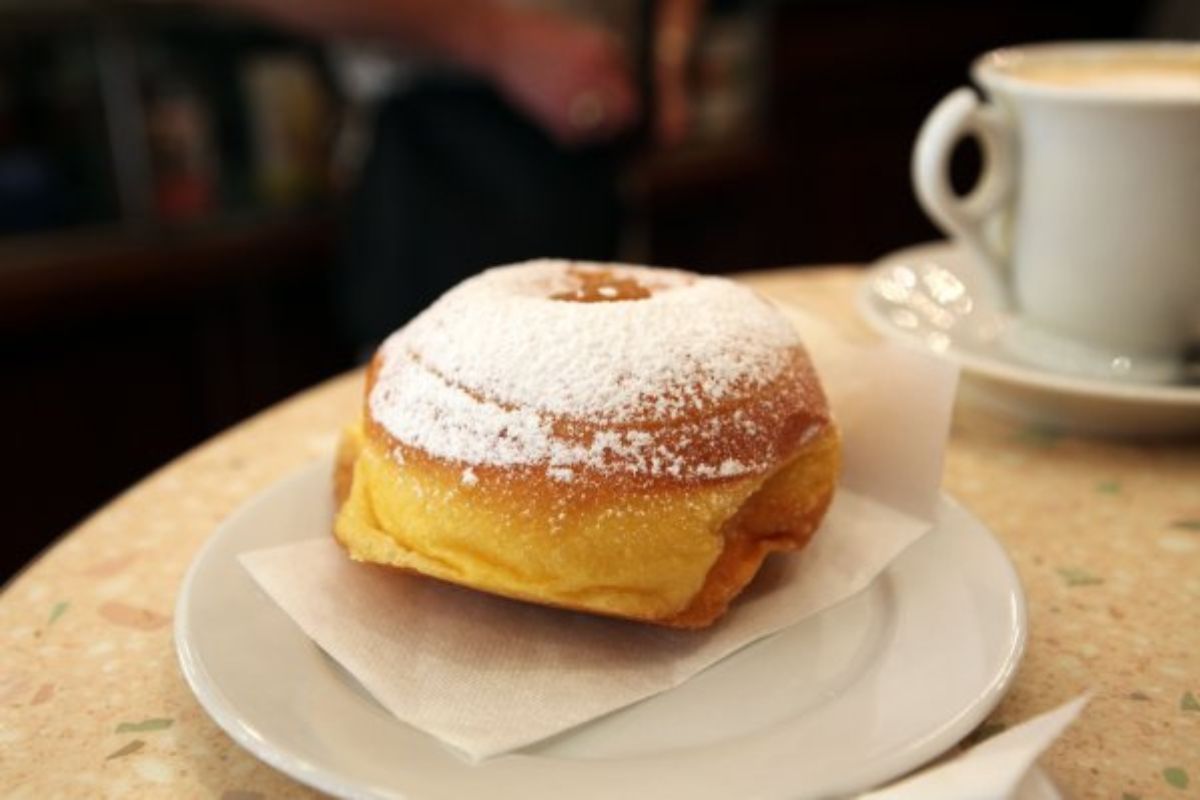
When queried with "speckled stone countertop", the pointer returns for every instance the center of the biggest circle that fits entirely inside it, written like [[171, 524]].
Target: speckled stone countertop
[[1105, 536]]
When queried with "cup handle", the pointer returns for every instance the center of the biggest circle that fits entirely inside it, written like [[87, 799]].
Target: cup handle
[[973, 218]]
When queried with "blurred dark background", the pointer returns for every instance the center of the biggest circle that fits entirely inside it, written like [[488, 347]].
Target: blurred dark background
[[170, 186]]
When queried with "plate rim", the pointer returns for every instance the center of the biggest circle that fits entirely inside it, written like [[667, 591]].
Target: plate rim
[[222, 710], [209, 696], [1012, 373]]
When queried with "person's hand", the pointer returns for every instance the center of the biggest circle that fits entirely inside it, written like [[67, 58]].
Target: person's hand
[[573, 79]]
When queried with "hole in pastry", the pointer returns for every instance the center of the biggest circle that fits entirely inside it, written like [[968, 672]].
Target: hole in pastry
[[602, 286]]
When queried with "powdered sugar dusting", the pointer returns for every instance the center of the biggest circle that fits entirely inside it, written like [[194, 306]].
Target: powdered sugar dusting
[[490, 372]]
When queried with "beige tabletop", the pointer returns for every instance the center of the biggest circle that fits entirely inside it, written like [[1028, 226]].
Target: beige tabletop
[[1105, 536]]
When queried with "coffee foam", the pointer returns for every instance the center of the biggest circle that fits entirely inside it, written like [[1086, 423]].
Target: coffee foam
[[1164, 78]]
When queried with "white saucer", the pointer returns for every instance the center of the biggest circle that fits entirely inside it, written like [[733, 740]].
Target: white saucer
[[925, 294], [846, 700]]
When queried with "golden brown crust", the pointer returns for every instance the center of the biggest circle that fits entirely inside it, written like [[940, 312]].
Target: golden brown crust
[[343, 468], [758, 530]]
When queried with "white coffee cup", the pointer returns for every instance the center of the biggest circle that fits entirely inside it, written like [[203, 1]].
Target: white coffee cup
[[1087, 211]]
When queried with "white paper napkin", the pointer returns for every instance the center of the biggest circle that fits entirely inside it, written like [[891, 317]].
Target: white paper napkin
[[488, 675], [997, 769]]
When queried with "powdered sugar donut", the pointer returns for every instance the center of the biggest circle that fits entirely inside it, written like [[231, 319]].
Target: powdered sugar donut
[[618, 439]]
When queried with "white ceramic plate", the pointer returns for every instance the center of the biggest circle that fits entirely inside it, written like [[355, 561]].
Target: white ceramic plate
[[848, 699], [926, 294]]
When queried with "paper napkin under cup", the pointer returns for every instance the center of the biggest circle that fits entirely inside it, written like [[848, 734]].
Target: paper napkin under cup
[[488, 675]]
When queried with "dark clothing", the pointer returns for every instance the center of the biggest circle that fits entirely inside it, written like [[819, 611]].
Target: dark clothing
[[458, 181]]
